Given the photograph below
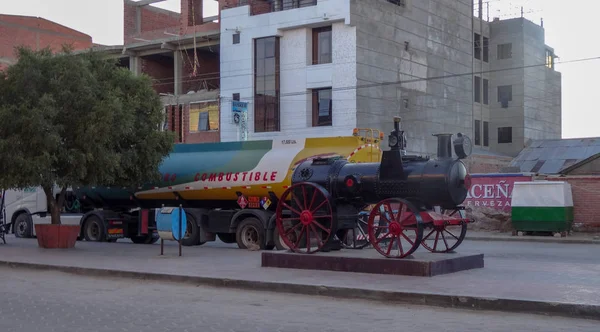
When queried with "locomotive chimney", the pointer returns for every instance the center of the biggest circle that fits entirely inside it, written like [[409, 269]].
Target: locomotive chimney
[[397, 120], [444, 146]]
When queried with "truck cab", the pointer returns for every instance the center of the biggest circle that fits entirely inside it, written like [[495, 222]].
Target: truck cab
[[27, 207]]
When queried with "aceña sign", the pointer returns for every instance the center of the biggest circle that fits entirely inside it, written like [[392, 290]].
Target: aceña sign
[[493, 190]]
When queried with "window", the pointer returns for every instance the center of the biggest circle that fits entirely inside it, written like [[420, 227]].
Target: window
[[504, 95], [477, 88], [477, 46], [322, 107], [405, 103], [322, 45], [266, 84], [486, 49], [549, 59], [486, 133], [477, 132], [401, 3], [236, 96], [236, 38], [486, 92], [504, 51], [204, 116], [505, 135]]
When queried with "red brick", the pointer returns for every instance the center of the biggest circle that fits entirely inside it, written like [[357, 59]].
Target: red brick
[[207, 71], [37, 33]]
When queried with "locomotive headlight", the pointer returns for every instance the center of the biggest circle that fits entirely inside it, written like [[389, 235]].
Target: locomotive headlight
[[463, 146], [393, 141]]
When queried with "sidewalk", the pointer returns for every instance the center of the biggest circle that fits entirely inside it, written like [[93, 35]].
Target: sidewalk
[[516, 277], [581, 238]]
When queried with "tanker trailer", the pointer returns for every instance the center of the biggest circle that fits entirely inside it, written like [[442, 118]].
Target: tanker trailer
[[228, 189]]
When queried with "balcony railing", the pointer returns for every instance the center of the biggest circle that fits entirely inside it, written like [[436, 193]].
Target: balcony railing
[[258, 7]]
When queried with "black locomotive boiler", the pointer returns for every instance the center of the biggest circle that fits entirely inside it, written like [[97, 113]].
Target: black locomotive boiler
[[413, 200]]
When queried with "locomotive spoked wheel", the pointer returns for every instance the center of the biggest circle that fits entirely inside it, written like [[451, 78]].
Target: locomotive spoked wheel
[[358, 237], [445, 238], [395, 228], [305, 218]]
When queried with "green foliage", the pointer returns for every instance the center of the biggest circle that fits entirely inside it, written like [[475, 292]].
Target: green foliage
[[78, 120]]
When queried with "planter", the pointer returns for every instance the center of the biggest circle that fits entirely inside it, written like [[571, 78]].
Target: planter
[[57, 236]]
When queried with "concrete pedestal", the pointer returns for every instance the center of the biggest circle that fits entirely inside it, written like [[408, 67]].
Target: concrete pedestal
[[422, 263]]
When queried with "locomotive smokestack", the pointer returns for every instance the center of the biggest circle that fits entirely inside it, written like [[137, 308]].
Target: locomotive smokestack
[[444, 146], [397, 120]]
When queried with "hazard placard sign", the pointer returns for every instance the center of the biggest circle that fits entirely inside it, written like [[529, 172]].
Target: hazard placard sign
[[242, 201]]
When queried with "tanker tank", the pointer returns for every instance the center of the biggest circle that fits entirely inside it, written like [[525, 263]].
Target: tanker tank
[[214, 175]]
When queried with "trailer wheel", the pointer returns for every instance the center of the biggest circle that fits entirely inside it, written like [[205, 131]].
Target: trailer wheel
[[94, 230], [279, 243], [23, 227], [192, 233], [250, 233]]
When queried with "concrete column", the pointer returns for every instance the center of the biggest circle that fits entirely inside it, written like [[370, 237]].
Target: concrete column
[[135, 64], [178, 71]]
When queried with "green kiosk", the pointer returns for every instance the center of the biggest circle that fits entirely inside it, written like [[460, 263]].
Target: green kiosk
[[542, 206]]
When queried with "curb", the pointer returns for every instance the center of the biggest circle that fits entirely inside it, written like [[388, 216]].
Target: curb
[[531, 239], [571, 310]]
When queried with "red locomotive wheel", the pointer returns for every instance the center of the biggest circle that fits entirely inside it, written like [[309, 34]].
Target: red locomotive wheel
[[445, 238], [309, 219], [398, 230]]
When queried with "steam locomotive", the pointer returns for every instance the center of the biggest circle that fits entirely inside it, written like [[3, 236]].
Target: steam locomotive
[[406, 195]]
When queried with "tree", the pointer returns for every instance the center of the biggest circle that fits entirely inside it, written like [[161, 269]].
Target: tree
[[70, 120]]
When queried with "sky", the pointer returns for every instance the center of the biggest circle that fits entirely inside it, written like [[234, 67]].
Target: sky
[[568, 27]]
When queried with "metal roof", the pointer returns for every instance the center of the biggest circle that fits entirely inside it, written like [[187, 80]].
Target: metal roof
[[553, 156]]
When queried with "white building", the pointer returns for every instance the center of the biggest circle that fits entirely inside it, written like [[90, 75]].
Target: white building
[[292, 90]]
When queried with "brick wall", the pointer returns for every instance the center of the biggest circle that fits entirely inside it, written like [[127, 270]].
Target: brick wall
[[486, 164], [207, 70], [260, 7], [162, 71], [191, 12], [156, 21], [153, 23], [586, 190], [37, 33]]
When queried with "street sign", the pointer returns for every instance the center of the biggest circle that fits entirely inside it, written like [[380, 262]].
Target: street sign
[[240, 114]]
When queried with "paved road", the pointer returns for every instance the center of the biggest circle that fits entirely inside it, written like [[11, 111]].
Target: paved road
[[516, 270], [53, 301]]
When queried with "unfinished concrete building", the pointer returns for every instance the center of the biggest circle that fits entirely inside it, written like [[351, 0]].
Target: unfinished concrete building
[[180, 52]]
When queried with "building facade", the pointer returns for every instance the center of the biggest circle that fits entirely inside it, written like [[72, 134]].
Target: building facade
[[36, 33], [323, 67], [517, 91], [180, 52]]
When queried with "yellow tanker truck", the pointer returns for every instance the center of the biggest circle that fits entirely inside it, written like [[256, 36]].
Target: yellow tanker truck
[[228, 189]]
